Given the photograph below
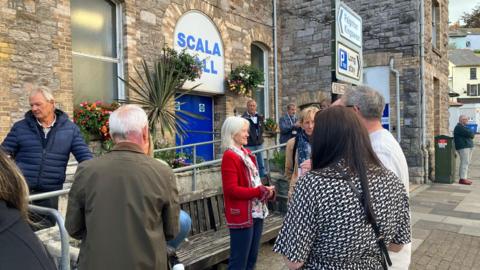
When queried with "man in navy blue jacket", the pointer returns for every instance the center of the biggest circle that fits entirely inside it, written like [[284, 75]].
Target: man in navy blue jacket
[[41, 144]]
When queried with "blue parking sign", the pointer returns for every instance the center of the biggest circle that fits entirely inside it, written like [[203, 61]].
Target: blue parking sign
[[343, 59]]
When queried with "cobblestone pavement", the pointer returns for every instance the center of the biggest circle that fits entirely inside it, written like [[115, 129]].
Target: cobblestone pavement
[[445, 222]]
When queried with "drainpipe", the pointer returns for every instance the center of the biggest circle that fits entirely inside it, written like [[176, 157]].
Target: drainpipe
[[423, 105], [397, 94], [275, 63]]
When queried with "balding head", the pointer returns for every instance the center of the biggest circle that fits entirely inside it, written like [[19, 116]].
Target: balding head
[[463, 119]]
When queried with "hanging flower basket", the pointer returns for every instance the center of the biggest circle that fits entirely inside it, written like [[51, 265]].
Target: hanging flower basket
[[244, 79]]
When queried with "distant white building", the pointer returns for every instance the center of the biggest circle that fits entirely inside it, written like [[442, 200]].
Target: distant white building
[[464, 38]]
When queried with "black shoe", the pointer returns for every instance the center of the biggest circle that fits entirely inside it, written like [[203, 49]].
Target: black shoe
[[174, 262]]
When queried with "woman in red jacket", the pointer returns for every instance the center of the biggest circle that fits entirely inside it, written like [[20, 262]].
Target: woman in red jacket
[[244, 195]]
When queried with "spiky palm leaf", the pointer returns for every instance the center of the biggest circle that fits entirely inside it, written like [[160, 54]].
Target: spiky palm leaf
[[156, 91]]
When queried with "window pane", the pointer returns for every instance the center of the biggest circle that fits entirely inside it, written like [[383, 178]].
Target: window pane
[[94, 80], [93, 27], [257, 55]]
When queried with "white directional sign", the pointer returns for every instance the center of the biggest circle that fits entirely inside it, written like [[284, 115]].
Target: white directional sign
[[350, 25], [349, 62], [348, 45]]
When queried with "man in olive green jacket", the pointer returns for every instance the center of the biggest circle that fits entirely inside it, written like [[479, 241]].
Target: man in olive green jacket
[[463, 138], [124, 205]]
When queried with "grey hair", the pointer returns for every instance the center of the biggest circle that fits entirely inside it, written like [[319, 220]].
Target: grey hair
[[291, 105], [231, 126], [462, 116], [251, 101], [128, 119], [47, 94], [368, 101]]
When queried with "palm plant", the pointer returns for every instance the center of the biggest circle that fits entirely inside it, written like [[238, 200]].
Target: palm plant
[[156, 90]]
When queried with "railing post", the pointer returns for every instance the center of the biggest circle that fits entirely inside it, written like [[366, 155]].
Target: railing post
[[267, 162], [194, 175], [65, 245]]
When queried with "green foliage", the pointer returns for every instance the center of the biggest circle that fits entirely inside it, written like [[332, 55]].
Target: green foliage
[[244, 79], [176, 159], [271, 125], [279, 159], [155, 90], [472, 19]]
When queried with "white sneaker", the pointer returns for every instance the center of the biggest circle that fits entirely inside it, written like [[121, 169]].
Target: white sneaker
[[178, 266]]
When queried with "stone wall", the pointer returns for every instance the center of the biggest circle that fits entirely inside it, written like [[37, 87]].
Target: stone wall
[[35, 46], [391, 30]]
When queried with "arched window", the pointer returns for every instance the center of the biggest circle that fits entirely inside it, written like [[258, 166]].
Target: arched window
[[96, 50], [259, 56]]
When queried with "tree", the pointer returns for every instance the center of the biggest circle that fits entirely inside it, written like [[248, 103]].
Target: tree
[[472, 20]]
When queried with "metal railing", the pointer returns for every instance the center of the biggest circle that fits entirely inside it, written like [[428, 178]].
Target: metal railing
[[64, 239], [194, 155], [65, 253]]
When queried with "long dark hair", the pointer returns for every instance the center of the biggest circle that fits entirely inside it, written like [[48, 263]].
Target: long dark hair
[[339, 135], [13, 188]]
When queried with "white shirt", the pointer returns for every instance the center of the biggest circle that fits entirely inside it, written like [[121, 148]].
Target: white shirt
[[391, 155]]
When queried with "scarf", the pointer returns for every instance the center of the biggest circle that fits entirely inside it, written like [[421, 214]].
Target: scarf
[[304, 149], [252, 169]]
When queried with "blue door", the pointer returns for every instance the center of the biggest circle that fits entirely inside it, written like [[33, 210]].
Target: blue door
[[198, 130]]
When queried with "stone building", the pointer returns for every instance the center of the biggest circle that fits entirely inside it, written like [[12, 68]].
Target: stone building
[[79, 48], [409, 35]]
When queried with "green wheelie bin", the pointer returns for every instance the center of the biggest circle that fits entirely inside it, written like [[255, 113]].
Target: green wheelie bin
[[444, 159]]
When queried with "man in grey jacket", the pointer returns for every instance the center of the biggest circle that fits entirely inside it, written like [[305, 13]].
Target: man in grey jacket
[[124, 205]]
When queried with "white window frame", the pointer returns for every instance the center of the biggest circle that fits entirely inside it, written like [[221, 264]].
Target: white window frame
[[470, 91], [119, 46], [266, 82]]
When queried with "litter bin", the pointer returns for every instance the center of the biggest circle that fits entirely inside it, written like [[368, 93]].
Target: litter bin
[[444, 159], [473, 127]]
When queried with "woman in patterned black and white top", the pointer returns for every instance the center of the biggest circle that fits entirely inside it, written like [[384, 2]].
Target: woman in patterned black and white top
[[326, 226]]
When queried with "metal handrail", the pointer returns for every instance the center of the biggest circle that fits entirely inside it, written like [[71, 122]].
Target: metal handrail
[[50, 194], [216, 161], [64, 239], [185, 146]]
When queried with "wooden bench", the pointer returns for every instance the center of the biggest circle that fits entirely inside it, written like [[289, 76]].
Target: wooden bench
[[209, 240]]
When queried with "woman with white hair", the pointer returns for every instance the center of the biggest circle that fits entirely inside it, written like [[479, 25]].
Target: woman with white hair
[[244, 195]]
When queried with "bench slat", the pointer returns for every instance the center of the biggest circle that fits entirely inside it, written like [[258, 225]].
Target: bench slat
[[210, 248], [214, 209]]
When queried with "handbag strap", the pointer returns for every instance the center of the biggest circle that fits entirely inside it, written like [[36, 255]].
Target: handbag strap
[[372, 220]]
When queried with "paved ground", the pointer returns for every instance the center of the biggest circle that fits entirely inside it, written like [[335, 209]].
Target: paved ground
[[446, 226]]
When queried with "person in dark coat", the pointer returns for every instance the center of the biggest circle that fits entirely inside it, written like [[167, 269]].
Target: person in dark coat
[[20, 248], [289, 126], [463, 138], [124, 205], [255, 134], [41, 144]]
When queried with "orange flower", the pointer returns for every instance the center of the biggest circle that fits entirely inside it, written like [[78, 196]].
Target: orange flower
[[104, 129]]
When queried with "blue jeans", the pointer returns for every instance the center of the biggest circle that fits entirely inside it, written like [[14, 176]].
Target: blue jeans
[[259, 157], [244, 245], [185, 226]]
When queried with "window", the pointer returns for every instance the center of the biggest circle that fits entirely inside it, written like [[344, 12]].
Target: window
[[259, 60], [472, 89], [96, 50], [435, 24], [473, 73]]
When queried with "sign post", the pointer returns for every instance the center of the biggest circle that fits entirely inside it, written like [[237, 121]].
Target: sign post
[[348, 45]]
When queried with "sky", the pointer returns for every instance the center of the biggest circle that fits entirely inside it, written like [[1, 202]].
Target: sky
[[456, 8]]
